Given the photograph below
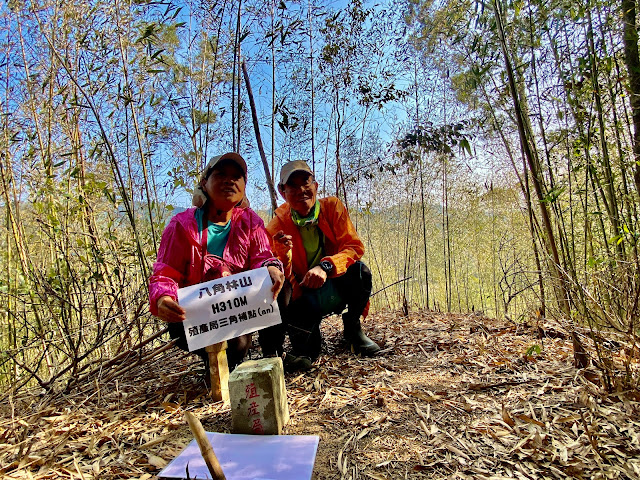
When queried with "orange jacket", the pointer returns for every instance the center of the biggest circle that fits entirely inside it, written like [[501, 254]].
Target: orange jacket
[[342, 246]]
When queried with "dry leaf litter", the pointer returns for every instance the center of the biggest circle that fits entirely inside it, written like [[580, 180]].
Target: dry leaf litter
[[451, 396]]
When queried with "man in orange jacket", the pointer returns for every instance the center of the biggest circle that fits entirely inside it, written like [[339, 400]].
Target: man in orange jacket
[[321, 251]]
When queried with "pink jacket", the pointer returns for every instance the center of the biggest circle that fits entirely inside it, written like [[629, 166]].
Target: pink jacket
[[183, 260]]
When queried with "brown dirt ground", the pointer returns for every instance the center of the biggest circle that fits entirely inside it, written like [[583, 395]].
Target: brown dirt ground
[[451, 396]]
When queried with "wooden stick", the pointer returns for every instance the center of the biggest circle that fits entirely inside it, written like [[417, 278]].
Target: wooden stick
[[256, 128], [219, 371], [205, 447]]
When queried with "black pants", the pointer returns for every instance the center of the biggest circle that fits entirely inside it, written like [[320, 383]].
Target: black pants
[[301, 318], [236, 347]]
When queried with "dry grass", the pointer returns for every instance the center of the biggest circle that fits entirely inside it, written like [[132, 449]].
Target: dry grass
[[452, 396]]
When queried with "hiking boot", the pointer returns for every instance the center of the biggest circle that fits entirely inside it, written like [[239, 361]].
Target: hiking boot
[[359, 343], [294, 363], [270, 353]]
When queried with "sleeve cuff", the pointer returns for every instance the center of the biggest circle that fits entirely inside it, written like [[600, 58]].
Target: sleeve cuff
[[273, 262]]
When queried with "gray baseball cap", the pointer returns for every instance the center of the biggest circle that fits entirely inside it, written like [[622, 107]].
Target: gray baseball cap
[[290, 168], [199, 198]]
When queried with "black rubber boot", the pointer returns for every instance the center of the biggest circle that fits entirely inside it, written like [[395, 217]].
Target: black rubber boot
[[358, 342], [293, 363], [271, 339]]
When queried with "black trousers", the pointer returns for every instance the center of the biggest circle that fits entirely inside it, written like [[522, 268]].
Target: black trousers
[[236, 347], [301, 318]]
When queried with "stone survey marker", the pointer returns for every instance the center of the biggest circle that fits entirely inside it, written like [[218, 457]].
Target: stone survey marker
[[258, 397]]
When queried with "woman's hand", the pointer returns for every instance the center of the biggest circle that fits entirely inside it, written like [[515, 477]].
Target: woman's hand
[[169, 310], [282, 245], [277, 277]]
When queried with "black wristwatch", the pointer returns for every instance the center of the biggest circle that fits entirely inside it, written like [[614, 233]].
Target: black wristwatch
[[327, 266]]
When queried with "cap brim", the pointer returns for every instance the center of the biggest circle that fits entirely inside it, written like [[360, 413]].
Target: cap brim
[[235, 157], [283, 181]]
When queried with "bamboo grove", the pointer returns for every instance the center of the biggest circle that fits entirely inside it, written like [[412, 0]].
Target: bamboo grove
[[488, 153]]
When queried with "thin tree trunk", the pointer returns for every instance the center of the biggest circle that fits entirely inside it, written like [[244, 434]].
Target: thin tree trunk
[[369, 236], [340, 184], [447, 270], [424, 227], [536, 173], [313, 97], [143, 160], [235, 103], [407, 250], [211, 85], [614, 90], [632, 59], [239, 96], [326, 152], [256, 128], [447, 233], [110, 152], [611, 204], [273, 96], [556, 207], [580, 116]]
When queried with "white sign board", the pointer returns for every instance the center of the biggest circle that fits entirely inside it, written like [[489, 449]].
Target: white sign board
[[249, 457], [228, 307]]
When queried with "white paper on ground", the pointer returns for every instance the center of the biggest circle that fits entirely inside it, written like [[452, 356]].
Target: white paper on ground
[[228, 307], [249, 457]]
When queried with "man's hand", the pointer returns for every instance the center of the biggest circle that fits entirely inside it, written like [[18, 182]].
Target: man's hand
[[169, 310], [314, 278], [277, 277], [282, 244]]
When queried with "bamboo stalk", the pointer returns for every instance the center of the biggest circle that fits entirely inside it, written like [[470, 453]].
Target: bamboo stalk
[[205, 447], [256, 127], [632, 60], [534, 167]]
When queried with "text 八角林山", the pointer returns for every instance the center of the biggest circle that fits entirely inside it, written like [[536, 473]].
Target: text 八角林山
[[227, 286]]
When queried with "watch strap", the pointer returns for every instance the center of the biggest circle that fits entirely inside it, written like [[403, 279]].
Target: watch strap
[[326, 265]]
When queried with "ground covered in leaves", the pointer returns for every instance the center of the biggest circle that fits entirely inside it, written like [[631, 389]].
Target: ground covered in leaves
[[451, 396]]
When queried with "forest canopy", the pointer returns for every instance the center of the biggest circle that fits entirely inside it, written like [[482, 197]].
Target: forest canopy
[[489, 154]]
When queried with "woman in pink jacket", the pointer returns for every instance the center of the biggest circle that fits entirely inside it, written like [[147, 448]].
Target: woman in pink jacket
[[216, 238]]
